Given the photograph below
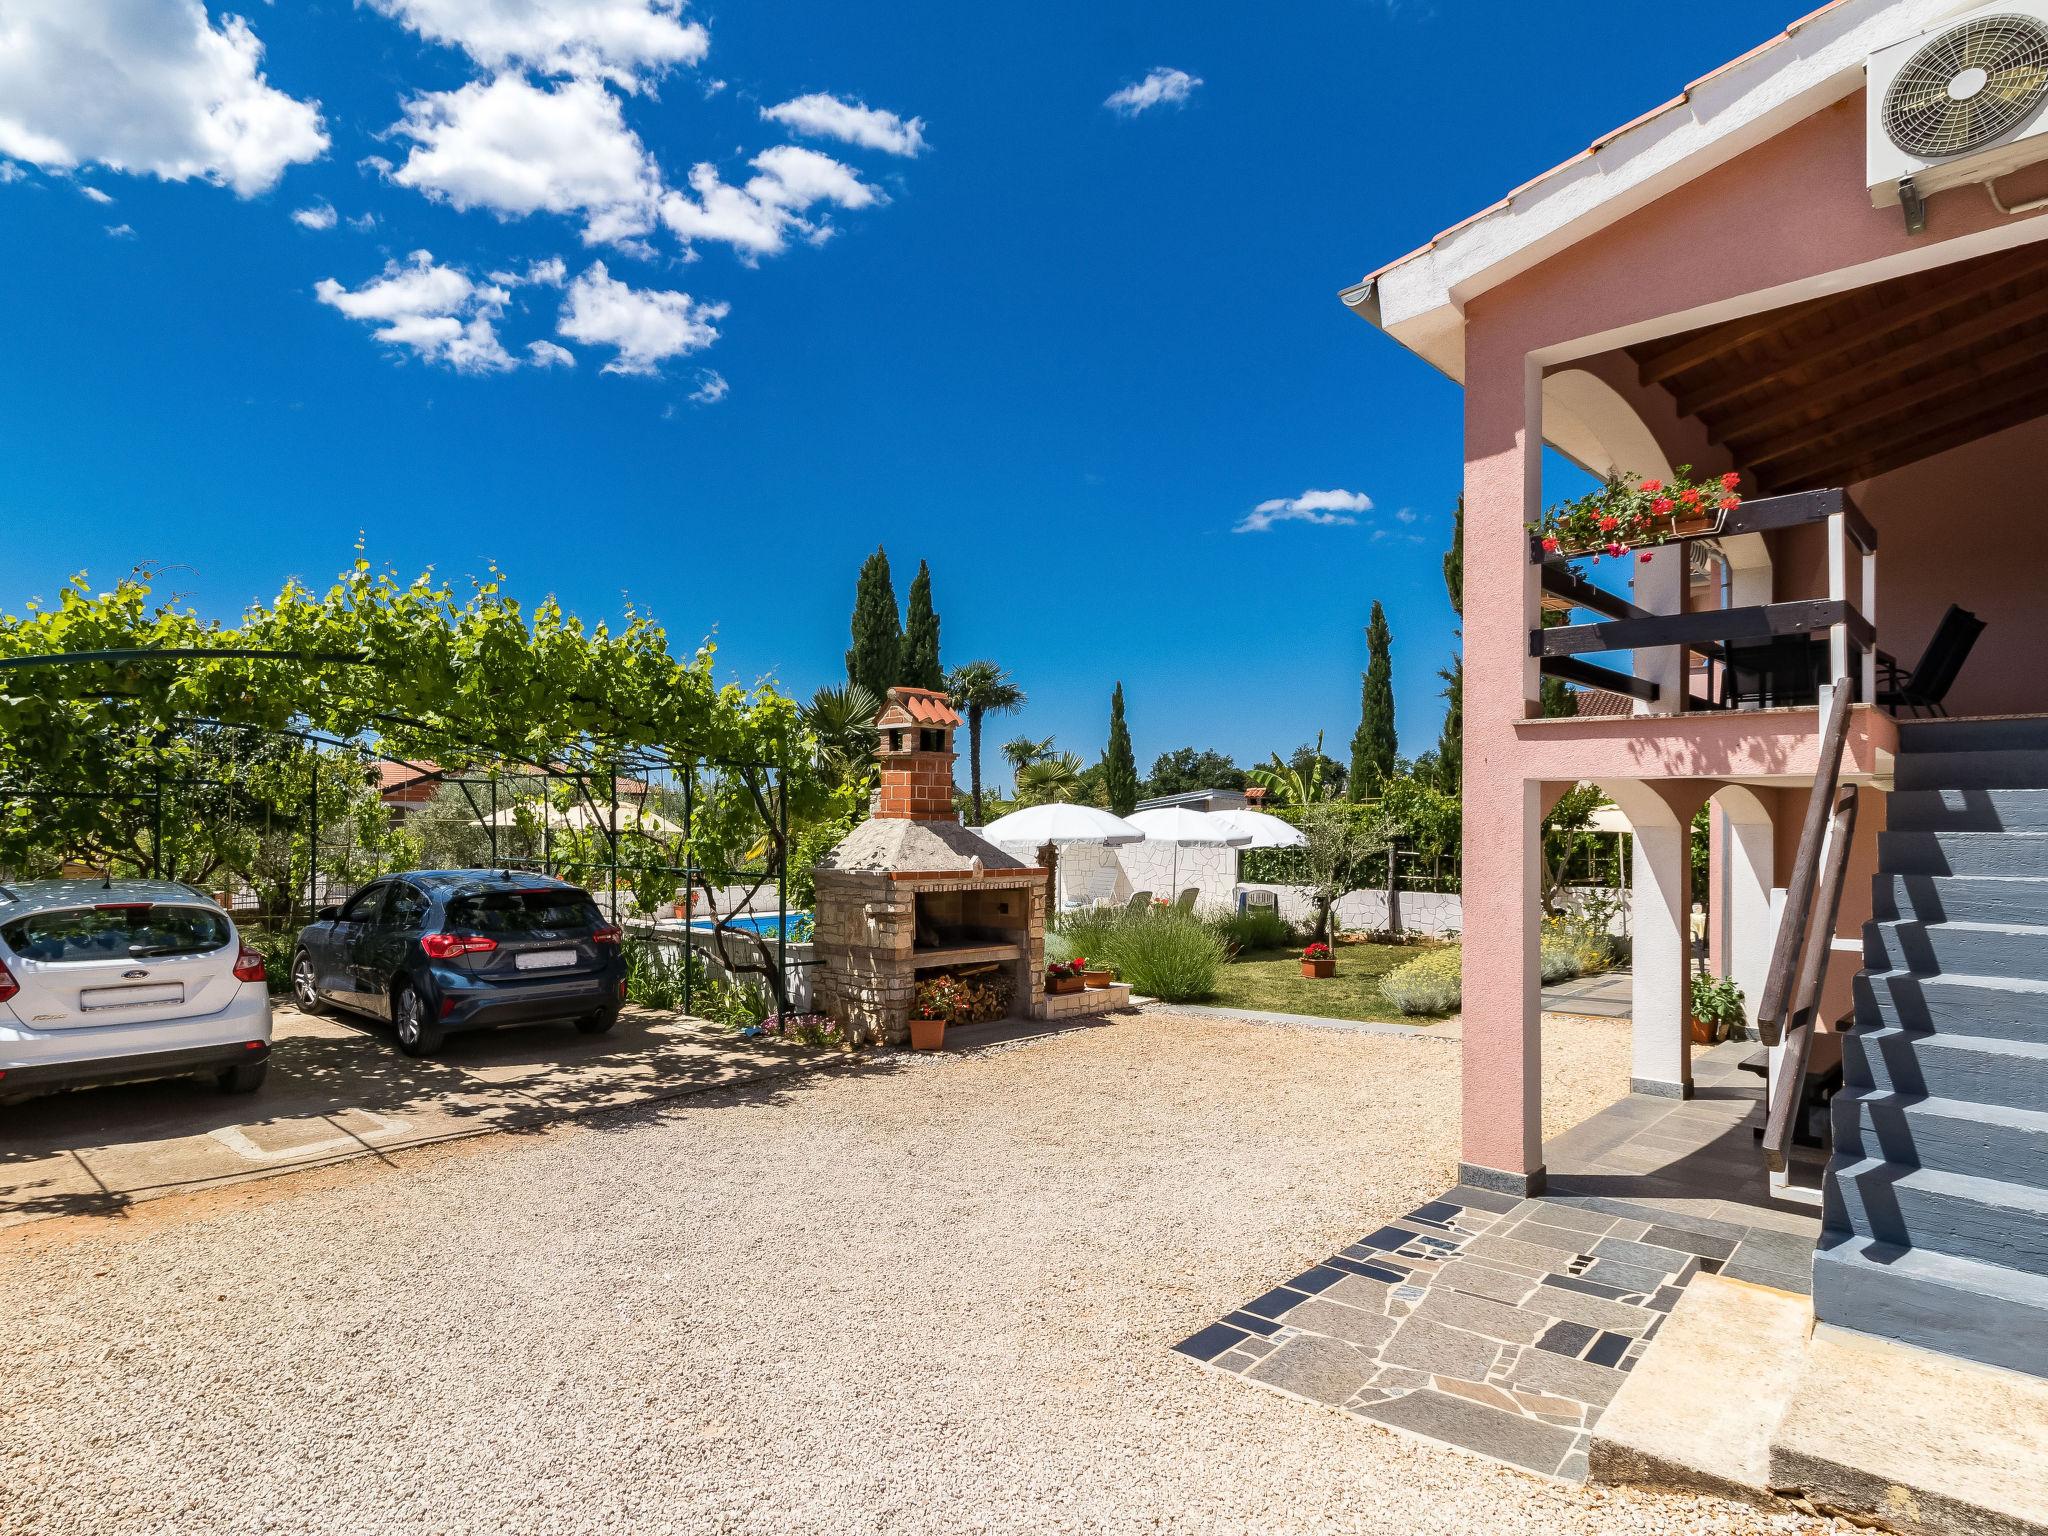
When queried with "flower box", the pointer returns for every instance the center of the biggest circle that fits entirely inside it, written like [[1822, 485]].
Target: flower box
[[927, 1034], [1099, 977], [1628, 513], [1060, 986], [1318, 968]]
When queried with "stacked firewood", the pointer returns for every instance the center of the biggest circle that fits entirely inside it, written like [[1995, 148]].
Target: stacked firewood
[[986, 990]]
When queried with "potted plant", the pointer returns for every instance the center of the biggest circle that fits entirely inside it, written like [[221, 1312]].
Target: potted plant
[[1629, 512], [932, 1008], [1098, 975], [1317, 961], [1716, 1009], [1063, 976]]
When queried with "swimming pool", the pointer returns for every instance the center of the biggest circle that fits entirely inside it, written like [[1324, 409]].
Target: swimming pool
[[765, 924]]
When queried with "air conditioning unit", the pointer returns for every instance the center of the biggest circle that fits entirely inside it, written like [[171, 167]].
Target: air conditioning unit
[[1960, 103]]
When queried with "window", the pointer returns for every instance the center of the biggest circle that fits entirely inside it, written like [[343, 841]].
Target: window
[[129, 931], [363, 905], [407, 908], [507, 914]]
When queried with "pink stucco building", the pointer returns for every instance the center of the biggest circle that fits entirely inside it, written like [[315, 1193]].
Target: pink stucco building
[[1742, 281]]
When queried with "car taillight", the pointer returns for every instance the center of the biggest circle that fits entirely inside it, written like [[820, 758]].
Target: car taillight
[[249, 965], [606, 935], [8, 985], [446, 946]]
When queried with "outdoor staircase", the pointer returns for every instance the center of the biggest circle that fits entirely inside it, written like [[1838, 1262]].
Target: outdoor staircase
[[1936, 1203]]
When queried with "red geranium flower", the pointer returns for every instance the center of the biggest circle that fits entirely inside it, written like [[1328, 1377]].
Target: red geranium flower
[[1730, 503], [1690, 498], [1550, 546], [1645, 557], [1731, 481], [1652, 487], [1616, 550], [1609, 524], [1661, 506]]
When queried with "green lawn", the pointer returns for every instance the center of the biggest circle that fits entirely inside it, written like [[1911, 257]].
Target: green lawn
[[1271, 980]]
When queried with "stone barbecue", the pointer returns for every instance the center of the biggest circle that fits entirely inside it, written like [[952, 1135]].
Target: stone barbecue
[[911, 892]]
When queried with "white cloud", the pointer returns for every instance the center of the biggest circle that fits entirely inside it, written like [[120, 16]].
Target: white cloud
[[1168, 87], [517, 149], [318, 215], [551, 273], [1406, 515], [437, 311], [758, 218], [620, 40], [94, 194], [646, 325], [711, 388], [828, 117], [148, 86], [121, 231], [546, 354], [9, 171], [363, 223], [1326, 509]]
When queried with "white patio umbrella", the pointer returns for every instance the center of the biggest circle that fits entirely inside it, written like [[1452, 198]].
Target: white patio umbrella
[[1060, 823], [1037, 825], [578, 817], [1183, 828], [1266, 831]]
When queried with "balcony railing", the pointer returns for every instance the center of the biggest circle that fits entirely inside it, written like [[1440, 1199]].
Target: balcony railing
[[1734, 641]]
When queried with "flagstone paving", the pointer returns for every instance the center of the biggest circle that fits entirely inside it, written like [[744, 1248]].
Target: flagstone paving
[[1505, 1326]]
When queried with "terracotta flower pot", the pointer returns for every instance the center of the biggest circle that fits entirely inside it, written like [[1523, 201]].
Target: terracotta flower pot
[[1319, 968], [1703, 1033], [1061, 985], [927, 1034], [1099, 978]]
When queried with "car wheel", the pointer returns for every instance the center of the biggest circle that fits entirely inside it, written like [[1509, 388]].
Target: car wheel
[[305, 986], [246, 1078], [416, 1037], [599, 1023]]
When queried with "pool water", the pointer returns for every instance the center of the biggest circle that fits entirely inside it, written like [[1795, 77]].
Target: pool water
[[766, 924]]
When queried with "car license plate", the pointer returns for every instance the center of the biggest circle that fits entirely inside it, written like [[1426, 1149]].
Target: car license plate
[[163, 995], [545, 959]]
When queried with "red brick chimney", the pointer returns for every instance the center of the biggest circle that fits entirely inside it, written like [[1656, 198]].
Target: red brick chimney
[[916, 754]]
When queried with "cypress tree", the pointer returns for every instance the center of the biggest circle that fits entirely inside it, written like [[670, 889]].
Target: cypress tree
[[921, 667], [1119, 766], [877, 654], [1450, 741], [1374, 748]]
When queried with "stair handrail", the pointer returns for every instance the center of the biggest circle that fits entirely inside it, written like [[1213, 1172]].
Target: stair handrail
[[1789, 1088], [1786, 947]]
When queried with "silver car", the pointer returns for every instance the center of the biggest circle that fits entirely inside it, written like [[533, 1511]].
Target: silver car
[[119, 982]]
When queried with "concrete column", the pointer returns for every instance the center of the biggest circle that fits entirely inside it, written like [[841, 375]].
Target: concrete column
[[1660, 587], [1660, 1055], [1743, 892], [1502, 1146]]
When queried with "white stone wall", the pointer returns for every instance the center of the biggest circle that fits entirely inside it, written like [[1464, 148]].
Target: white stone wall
[[1437, 914]]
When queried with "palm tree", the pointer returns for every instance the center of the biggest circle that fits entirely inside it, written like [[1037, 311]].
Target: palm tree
[[843, 721], [1294, 783], [978, 689], [1049, 780], [1023, 751]]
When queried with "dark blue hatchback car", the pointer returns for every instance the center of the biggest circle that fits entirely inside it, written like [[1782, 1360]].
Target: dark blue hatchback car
[[434, 951]]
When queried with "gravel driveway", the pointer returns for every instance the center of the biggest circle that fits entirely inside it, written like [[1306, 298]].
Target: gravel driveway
[[915, 1295]]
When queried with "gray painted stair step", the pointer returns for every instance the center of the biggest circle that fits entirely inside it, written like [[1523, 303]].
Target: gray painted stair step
[[2009, 950], [1988, 1007], [2023, 854], [1959, 899], [1967, 810], [1948, 1135], [1974, 769], [2014, 733], [1918, 1064], [1994, 1221], [1951, 1305]]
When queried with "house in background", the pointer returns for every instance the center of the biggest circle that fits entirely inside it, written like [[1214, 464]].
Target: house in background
[[405, 787], [1822, 269]]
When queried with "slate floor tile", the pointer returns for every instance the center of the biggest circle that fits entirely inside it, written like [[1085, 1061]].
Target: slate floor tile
[[1701, 1243], [1211, 1341], [1595, 1312], [1607, 1349], [1320, 1278], [1351, 1324], [1509, 1437], [1440, 1350], [1479, 1314], [1663, 1260], [1567, 1339], [1274, 1303], [1541, 1371], [1310, 1365]]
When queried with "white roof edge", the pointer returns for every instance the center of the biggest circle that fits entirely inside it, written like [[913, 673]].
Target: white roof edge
[[1420, 299]]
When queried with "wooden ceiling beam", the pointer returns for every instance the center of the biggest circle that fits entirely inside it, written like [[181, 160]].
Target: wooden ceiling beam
[[1925, 445], [1965, 289], [1969, 374], [1705, 346], [1942, 344]]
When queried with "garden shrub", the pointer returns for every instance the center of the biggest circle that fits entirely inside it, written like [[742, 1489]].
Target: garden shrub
[[1170, 955], [1433, 982], [1557, 957], [1255, 928]]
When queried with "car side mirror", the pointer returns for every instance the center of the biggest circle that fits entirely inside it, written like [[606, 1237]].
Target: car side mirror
[[327, 914]]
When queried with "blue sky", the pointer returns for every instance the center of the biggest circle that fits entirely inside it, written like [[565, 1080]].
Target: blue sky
[[1060, 349]]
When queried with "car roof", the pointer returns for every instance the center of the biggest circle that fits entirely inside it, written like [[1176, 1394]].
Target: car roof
[[484, 879], [25, 896]]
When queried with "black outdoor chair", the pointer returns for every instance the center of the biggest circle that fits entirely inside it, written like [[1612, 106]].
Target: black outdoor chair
[[1935, 672], [1780, 673]]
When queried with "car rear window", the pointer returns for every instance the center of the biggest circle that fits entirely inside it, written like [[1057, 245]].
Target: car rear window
[[510, 913], [117, 932]]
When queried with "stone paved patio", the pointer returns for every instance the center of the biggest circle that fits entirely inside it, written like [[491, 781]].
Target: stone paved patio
[[1505, 1326]]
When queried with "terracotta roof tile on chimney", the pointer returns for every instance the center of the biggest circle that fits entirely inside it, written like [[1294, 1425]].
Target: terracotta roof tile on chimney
[[926, 706]]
